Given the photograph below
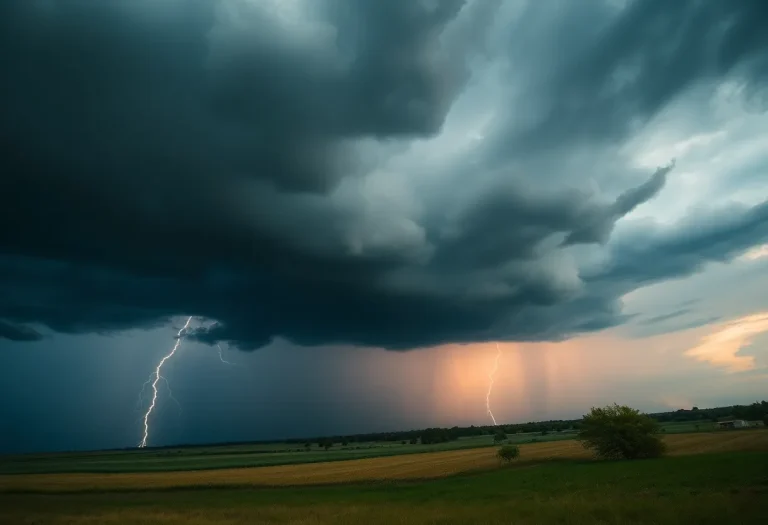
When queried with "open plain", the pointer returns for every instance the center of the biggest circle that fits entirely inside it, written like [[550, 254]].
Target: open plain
[[708, 478]]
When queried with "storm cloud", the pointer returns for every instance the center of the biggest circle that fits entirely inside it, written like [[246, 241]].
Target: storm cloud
[[397, 174]]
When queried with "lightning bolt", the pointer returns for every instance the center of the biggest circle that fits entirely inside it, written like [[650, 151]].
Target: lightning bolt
[[221, 358], [157, 376], [491, 376]]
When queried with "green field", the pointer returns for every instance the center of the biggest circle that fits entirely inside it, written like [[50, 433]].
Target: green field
[[707, 488], [261, 454], [217, 457], [233, 456]]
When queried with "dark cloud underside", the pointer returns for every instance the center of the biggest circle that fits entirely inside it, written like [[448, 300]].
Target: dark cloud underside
[[209, 158]]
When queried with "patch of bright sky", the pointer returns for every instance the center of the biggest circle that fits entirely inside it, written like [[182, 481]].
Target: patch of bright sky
[[720, 147], [758, 252], [722, 348]]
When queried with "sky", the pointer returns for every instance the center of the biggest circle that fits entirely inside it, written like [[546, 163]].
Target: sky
[[358, 201]]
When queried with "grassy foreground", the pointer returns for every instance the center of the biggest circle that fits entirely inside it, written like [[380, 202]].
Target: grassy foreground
[[708, 488], [708, 478]]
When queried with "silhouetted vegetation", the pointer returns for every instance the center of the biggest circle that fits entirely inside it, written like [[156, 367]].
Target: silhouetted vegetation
[[621, 432], [754, 412], [707, 416], [507, 453]]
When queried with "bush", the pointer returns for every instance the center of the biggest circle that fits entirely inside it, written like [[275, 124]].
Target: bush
[[621, 432], [507, 453], [499, 436]]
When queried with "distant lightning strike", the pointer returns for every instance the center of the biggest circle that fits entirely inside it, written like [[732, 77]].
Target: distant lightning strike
[[157, 377], [221, 358], [492, 376]]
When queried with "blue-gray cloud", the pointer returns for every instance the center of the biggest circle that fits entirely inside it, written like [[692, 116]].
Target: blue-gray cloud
[[16, 332], [664, 317], [205, 158]]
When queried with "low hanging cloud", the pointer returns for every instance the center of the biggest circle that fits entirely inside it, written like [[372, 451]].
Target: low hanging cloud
[[288, 169]]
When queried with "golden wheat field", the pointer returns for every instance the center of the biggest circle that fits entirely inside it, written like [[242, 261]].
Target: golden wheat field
[[407, 467]]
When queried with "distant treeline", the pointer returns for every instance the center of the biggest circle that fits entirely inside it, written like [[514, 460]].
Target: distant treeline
[[753, 412]]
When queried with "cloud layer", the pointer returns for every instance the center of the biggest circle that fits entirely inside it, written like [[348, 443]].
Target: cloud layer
[[289, 169]]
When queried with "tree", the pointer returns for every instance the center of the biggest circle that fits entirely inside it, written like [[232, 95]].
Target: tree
[[621, 432], [499, 436], [507, 453]]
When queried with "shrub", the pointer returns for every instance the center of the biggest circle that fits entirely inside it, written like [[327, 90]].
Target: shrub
[[621, 432], [499, 436], [507, 453]]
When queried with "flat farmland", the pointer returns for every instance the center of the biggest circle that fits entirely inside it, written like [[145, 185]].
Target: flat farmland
[[393, 468], [221, 456], [686, 488]]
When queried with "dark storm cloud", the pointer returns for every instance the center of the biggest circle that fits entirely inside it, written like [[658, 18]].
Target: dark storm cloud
[[652, 51], [599, 227], [205, 158], [651, 255], [16, 332]]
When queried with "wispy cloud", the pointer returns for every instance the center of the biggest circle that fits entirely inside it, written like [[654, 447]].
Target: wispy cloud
[[664, 317], [721, 348], [758, 252]]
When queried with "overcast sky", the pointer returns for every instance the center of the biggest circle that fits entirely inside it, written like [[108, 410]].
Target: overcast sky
[[356, 200]]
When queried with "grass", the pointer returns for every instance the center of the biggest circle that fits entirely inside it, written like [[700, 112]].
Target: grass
[[255, 455], [393, 468], [222, 457], [707, 488]]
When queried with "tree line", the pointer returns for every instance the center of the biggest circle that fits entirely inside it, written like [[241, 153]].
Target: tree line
[[755, 412], [427, 436]]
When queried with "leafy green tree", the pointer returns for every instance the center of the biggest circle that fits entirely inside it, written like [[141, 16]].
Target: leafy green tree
[[499, 436], [507, 453], [621, 432]]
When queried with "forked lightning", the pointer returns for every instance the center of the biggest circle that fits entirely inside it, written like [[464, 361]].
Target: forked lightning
[[157, 377]]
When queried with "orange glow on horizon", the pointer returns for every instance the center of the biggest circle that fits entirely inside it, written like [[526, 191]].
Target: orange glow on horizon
[[448, 384]]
